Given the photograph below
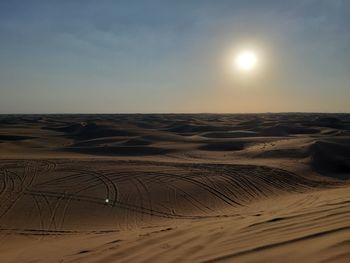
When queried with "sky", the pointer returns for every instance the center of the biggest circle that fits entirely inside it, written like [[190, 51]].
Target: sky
[[164, 56]]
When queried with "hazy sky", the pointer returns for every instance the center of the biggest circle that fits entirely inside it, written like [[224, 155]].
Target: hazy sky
[[173, 56]]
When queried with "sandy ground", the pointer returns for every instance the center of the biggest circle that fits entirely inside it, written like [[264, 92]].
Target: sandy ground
[[175, 188]]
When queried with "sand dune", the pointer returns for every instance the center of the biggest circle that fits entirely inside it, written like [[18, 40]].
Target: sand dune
[[175, 188], [332, 157]]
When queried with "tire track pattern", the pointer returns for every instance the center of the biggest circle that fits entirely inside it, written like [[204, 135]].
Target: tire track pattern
[[65, 195]]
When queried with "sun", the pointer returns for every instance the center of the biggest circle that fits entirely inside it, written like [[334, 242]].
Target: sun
[[246, 61]]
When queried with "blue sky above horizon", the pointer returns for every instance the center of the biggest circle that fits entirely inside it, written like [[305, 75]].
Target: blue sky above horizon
[[170, 56]]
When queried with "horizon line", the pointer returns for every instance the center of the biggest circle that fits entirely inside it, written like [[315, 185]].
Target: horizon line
[[173, 113]]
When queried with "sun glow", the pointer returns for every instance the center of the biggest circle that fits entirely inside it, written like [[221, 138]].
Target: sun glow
[[246, 61]]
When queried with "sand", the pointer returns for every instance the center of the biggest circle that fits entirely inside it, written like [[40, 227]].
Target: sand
[[175, 188]]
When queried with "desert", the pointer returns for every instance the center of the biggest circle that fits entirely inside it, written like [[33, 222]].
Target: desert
[[166, 131], [175, 188]]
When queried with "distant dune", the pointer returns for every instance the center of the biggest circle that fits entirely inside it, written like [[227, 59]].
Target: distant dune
[[175, 188]]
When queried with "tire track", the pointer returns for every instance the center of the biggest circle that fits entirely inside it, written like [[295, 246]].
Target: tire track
[[132, 188]]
